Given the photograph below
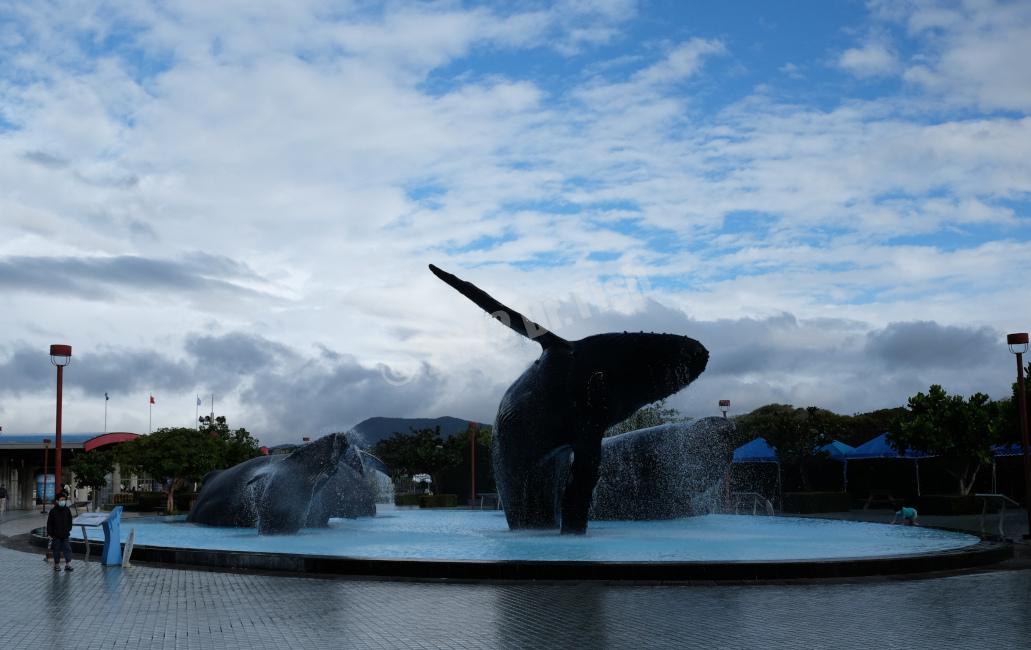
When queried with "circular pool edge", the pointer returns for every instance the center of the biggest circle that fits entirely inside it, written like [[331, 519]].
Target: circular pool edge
[[981, 554]]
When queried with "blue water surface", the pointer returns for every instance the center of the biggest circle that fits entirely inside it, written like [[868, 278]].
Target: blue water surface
[[402, 533]]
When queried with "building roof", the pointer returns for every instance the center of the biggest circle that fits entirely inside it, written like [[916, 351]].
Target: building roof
[[86, 441]]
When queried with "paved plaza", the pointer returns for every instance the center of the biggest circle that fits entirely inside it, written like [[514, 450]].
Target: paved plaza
[[160, 607]]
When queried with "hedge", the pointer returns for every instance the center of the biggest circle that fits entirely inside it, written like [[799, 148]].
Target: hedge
[[810, 502], [949, 504], [426, 500]]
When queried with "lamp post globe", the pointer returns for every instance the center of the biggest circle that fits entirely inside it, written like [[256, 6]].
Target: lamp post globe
[[60, 356], [724, 406], [1018, 344]]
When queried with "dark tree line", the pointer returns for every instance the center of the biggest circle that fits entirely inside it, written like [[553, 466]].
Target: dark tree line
[[173, 456], [425, 451]]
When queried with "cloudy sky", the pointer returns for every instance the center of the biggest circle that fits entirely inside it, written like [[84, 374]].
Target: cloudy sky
[[240, 198]]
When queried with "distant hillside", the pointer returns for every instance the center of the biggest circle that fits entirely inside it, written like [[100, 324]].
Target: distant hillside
[[375, 429]]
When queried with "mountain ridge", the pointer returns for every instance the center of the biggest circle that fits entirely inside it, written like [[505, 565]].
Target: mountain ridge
[[377, 428]]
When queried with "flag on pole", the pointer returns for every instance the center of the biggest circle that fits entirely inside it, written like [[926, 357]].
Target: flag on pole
[[198, 401], [152, 400], [106, 398]]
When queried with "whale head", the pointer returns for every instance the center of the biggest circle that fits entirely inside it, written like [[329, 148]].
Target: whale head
[[289, 487], [623, 372]]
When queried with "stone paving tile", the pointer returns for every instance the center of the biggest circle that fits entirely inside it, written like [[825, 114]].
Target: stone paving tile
[[150, 607]]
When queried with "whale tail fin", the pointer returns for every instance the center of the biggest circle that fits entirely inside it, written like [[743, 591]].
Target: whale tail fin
[[506, 316]]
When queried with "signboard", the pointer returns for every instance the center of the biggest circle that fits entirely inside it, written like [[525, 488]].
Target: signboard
[[91, 519]]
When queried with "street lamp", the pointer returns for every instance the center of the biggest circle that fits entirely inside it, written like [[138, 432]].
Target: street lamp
[[724, 406], [1018, 346], [60, 356]]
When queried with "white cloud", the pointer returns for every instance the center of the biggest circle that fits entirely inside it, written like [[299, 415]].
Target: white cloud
[[974, 52], [336, 152], [871, 60]]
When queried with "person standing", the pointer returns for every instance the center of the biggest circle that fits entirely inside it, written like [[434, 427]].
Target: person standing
[[59, 529], [3, 499]]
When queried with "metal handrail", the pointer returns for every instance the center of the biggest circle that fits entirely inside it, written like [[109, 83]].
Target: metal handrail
[[1002, 500], [740, 498]]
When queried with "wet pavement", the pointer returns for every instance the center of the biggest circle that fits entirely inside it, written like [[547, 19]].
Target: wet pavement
[[159, 607]]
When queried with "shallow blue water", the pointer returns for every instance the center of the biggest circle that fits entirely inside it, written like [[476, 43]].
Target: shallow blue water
[[398, 533]]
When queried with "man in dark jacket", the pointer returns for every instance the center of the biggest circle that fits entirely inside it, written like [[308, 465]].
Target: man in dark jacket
[[59, 529]]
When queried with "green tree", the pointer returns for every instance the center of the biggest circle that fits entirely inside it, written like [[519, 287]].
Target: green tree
[[961, 431], [1007, 422], [861, 427], [651, 415], [458, 449], [796, 433], [459, 442], [421, 451], [237, 446], [91, 470], [174, 457]]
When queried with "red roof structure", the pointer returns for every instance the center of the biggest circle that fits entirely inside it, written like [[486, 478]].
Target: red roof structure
[[108, 439]]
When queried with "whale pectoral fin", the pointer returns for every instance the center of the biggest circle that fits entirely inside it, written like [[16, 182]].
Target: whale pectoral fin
[[505, 315]]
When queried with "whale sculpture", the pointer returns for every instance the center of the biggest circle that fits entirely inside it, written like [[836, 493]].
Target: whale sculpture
[[546, 447], [283, 493], [664, 472]]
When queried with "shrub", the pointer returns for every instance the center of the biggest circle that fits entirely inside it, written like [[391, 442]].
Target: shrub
[[948, 504], [438, 501], [411, 500], [426, 500], [184, 502]]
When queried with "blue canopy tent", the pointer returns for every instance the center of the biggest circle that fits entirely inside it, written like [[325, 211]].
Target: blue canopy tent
[[758, 451], [840, 452], [880, 448], [1014, 449]]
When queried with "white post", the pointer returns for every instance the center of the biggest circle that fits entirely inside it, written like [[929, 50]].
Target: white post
[[916, 463], [127, 550]]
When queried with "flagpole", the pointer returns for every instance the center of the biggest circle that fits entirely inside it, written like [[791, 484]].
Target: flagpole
[[150, 425], [196, 416], [105, 412], [212, 409]]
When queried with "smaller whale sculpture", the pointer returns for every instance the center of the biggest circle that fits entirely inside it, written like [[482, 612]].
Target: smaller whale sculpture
[[664, 472], [282, 494]]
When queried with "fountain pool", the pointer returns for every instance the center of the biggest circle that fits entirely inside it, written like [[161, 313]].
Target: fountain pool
[[402, 538]]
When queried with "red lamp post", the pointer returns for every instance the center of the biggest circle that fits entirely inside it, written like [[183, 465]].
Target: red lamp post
[[60, 356], [1018, 346], [724, 406]]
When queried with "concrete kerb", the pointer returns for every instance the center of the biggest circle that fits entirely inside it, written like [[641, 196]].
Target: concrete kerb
[[980, 555], [27, 528]]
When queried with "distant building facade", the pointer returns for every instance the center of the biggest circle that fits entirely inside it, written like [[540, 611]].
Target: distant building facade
[[23, 457]]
